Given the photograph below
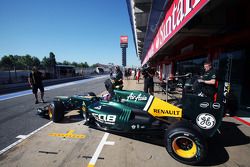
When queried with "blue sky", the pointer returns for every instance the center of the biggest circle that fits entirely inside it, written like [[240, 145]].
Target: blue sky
[[74, 30]]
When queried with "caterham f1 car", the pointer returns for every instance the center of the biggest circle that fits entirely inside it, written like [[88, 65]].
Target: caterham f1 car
[[186, 128]]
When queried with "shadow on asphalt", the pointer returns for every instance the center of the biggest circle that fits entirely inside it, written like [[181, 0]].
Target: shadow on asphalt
[[68, 118], [230, 135], [71, 119]]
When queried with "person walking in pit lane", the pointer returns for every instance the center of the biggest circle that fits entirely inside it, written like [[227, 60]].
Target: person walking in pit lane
[[35, 82]]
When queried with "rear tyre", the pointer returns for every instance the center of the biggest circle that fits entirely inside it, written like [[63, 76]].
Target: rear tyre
[[185, 144], [56, 111]]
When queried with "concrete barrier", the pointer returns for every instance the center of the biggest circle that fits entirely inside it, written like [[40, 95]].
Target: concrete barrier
[[10, 88]]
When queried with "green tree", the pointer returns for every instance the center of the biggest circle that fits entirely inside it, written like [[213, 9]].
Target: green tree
[[95, 65], [27, 61], [35, 61], [75, 64], [45, 62], [84, 65], [66, 62], [52, 58], [18, 62], [14, 60], [7, 63]]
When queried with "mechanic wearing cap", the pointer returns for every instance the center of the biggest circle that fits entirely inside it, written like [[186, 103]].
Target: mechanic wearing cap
[[207, 81]]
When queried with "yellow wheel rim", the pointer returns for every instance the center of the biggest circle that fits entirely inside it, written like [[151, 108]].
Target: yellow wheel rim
[[184, 147]]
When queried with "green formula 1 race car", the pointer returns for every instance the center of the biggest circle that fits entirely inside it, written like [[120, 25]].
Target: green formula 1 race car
[[186, 129]]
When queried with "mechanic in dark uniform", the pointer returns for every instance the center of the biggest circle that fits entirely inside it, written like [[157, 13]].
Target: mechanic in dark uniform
[[207, 81], [115, 81], [148, 74], [35, 81], [118, 79]]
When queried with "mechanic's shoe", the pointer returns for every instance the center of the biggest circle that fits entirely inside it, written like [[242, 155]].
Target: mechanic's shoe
[[36, 102], [43, 101]]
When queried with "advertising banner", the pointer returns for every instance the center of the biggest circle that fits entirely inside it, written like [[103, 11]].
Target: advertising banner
[[180, 12], [123, 39]]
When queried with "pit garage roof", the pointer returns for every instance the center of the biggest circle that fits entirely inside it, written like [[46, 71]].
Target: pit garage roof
[[216, 19], [145, 18]]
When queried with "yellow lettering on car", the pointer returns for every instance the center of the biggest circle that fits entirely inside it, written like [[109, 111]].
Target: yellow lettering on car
[[160, 108]]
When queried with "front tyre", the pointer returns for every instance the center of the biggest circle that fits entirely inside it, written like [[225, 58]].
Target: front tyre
[[185, 144], [56, 111]]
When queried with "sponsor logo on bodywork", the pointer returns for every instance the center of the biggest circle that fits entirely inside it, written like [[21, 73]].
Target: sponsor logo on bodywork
[[205, 121], [160, 108], [106, 119], [98, 107], [204, 104], [137, 126], [168, 112], [138, 97], [133, 126], [216, 106]]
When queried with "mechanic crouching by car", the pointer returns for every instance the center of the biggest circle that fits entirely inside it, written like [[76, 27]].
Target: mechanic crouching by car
[[118, 78], [115, 82], [205, 85]]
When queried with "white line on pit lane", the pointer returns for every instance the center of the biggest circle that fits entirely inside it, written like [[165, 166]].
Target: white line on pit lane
[[22, 138], [28, 92], [99, 149]]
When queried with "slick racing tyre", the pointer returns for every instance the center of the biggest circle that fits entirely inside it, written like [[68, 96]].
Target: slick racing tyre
[[56, 111], [185, 144]]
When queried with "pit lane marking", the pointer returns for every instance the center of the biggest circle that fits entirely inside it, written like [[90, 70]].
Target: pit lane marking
[[99, 149], [22, 138], [70, 134], [244, 120]]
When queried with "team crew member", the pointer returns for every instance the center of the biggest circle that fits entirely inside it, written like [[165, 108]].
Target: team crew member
[[207, 81], [148, 74], [118, 79], [35, 81], [115, 81]]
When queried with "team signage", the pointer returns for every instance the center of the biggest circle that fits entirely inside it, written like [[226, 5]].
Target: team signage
[[159, 108], [124, 39], [124, 45], [180, 12]]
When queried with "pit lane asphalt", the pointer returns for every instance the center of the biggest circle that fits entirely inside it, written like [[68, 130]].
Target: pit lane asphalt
[[18, 114], [229, 148]]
